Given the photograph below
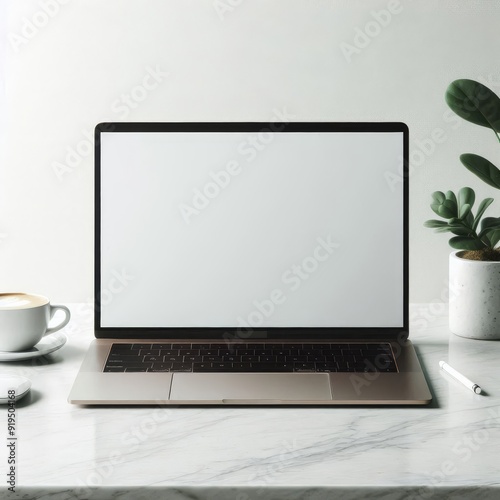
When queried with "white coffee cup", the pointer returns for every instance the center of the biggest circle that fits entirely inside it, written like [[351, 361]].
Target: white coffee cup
[[24, 320]]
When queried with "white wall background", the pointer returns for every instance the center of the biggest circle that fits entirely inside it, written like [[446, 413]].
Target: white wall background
[[63, 72]]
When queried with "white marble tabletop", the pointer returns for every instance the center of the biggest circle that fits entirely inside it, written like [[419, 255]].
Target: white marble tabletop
[[447, 450]]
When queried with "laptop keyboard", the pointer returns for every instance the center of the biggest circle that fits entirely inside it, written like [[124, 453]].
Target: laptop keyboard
[[250, 357]]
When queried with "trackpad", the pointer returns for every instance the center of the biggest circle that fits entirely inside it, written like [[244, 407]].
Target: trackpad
[[234, 388]]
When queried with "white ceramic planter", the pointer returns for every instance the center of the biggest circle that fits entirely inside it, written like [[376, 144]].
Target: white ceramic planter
[[474, 298]]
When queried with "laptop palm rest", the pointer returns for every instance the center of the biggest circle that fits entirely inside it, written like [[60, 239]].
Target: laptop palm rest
[[238, 388]]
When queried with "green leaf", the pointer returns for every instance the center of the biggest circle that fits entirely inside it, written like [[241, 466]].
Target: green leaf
[[460, 230], [490, 222], [437, 199], [480, 211], [483, 168], [448, 209], [445, 229], [466, 196], [438, 196], [433, 223], [466, 243], [486, 240], [450, 195], [474, 102], [469, 220], [494, 237], [464, 211]]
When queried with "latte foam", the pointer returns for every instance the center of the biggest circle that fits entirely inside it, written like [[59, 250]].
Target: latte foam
[[10, 301]]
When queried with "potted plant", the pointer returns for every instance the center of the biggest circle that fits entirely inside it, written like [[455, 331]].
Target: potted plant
[[474, 272]]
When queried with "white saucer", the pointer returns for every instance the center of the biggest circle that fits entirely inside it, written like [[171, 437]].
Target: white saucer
[[47, 345]]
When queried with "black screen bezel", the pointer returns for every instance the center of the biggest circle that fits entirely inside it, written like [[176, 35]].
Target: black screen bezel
[[236, 334]]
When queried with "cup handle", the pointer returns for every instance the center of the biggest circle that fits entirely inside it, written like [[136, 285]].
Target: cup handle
[[53, 309]]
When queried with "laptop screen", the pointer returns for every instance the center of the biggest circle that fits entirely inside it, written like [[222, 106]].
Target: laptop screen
[[242, 227]]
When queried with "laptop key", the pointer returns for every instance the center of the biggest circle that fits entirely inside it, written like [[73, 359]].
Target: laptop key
[[281, 352], [141, 346], [121, 347], [249, 359], [160, 367], [172, 358], [213, 359], [262, 352], [181, 367], [114, 358], [136, 368], [244, 352], [296, 359], [268, 359], [189, 352], [193, 359], [316, 358], [169, 352], [203, 367], [116, 368], [153, 358], [150, 352], [311, 352], [223, 366], [209, 352]]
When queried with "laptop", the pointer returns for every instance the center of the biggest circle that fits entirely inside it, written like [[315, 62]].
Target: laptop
[[251, 264]]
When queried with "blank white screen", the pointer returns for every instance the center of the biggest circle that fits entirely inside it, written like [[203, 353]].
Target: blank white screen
[[302, 229]]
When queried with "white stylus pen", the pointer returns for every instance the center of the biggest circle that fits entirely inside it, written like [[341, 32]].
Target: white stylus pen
[[461, 378]]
